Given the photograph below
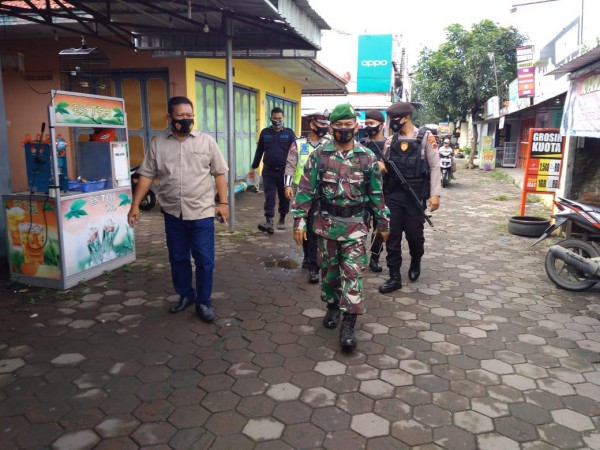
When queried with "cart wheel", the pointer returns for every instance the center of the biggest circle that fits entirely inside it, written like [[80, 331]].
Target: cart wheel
[[148, 202]]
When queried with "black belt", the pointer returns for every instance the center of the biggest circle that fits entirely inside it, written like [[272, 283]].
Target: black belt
[[275, 168], [342, 211]]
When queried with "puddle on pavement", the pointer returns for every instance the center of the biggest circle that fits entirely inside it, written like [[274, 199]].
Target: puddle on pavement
[[282, 263]]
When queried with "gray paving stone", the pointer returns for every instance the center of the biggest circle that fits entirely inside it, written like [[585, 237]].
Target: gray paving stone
[[83, 440]]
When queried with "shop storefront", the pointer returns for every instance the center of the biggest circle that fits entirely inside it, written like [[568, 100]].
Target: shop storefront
[[581, 127]]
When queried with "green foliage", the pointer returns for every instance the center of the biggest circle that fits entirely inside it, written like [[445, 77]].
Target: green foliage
[[458, 78], [61, 108], [501, 176], [76, 209], [51, 253], [465, 150], [125, 199], [501, 198]]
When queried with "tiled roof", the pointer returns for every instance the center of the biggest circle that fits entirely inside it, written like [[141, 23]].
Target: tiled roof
[[38, 3]]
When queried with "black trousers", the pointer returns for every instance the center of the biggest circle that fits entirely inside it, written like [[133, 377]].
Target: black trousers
[[376, 241], [310, 244], [273, 182], [405, 220]]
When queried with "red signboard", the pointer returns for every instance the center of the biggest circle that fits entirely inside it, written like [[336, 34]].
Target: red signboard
[[543, 164], [525, 71]]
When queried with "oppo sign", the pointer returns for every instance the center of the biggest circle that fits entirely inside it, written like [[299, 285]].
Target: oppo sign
[[374, 63]]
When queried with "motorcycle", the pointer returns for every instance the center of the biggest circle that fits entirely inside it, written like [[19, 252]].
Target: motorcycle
[[573, 264], [149, 201], [446, 155]]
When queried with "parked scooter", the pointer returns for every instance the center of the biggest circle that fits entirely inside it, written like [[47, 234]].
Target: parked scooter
[[574, 264], [149, 201], [446, 155]]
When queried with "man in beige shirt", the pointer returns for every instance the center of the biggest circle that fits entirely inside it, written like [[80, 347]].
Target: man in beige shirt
[[184, 161]]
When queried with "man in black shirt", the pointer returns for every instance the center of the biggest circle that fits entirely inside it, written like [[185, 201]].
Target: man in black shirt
[[273, 144]]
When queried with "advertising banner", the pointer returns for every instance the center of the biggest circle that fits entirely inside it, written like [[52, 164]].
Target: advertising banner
[[582, 108], [525, 71], [488, 154], [95, 229], [33, 237], [543, 164], [75, 109], [374, 63]]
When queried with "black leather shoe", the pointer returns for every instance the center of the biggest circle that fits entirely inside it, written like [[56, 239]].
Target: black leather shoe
[[347, 339], [374, 264], [394, 283], [313, 276], [184, 303], [205, 312], [281, 223], [267, 227], [332, 317], [414, 270]]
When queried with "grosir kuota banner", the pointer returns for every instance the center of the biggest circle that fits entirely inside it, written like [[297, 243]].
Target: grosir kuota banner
[[374, 63]]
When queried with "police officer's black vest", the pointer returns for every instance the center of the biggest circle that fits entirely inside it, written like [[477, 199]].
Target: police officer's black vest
[[408, 157]]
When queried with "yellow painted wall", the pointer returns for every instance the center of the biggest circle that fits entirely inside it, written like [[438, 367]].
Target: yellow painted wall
[[252, 76]]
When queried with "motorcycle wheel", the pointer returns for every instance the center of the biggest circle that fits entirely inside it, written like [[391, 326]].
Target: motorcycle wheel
[[148, 202], [565, 276], [445, 179]]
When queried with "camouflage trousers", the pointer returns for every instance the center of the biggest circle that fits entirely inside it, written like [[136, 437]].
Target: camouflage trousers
[[342, 264]]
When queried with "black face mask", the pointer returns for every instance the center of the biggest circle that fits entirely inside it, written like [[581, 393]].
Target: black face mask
[[321, 131], [277, 123], [343, 135], [372, 131], [182, 125], [396, 126]]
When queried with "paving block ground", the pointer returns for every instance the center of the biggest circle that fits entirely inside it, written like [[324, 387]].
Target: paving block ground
[[482, 352]]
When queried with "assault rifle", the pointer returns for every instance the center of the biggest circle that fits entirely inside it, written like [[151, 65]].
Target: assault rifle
[[400, 178]]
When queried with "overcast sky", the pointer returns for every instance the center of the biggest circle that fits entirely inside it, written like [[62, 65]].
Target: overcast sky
[[422, 22]]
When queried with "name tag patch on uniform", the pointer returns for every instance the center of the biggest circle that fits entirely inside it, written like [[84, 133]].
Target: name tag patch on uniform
[[304, 149]]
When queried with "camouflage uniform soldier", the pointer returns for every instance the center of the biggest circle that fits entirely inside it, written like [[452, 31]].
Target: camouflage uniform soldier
[[346, 179]]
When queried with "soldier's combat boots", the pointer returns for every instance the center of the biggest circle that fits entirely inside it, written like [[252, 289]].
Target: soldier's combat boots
[[347, 339], [267, 227], [281, 223], [313, 276], [394, 283], [332, 317], [374, 263], [414, 270]]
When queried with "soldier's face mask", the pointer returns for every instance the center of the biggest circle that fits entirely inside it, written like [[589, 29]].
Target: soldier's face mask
[[372, 131], [343, 135], [277, 123]]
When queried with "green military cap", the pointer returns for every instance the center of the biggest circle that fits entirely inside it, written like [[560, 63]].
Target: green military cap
[[343, 111]]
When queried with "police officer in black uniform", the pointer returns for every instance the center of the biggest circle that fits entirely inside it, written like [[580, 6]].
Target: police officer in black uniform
[[415, 153], [374, 139], [274, 143]]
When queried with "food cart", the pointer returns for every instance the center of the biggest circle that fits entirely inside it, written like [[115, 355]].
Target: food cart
[[65, 230]]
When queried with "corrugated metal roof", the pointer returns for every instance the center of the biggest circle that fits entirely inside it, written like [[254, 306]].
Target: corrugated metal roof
[[578, 63], [176, 25]]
